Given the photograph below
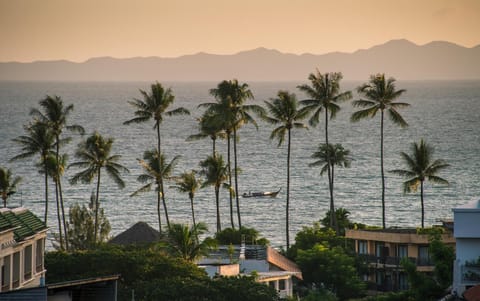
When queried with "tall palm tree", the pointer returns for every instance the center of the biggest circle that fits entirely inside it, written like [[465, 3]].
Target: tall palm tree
[[216, 173], [420, 167], [55, 116], [8, 184], [284, 112], [156, 171], [231, 97], [55, 169], [154, 105], [210, 127], [182, 241], [328, 156], [324, 95], [39, 139], [380, 96], [188, 183], [94, 154]]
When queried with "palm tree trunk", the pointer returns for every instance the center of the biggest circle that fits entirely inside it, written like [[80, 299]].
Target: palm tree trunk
[[337, 230], [213, 147], [288, 193], [382, 172], [193, 212], [217, 196], [46, 191], [333, 219], [158, 211], [421, 203], [4, 198], [230, 180], [161, 176], [96, 209], [63, 213], [58, 215], [236, 177]]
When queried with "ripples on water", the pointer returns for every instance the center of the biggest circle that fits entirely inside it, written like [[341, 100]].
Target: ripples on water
[[443, 113]]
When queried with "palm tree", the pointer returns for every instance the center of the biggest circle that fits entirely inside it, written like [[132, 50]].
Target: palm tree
[[325, 95], [55, 169], [284, 113], [182, 241], [38, 140], [8, 185], [155, 105], [216, 173], [156, 170], [209, 127], [55, 117], [380, 96], [94, 154], [420, 167], [328, 156], [188, 183], [231, 97]]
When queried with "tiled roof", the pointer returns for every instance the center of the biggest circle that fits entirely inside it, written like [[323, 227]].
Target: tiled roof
[[24, 222]]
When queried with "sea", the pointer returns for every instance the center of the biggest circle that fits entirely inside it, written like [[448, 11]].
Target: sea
[[446, 114]]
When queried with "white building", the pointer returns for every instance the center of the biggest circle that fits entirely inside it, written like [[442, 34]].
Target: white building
[[466, 269], [22, 246]]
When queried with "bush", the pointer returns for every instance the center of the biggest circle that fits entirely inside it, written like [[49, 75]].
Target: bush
[[234, 236]]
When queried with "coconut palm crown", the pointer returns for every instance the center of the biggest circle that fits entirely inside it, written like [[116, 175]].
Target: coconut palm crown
[[8, 184]]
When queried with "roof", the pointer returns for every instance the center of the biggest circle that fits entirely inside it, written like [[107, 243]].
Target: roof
[[140, 233], [83, 281], [22, 221]]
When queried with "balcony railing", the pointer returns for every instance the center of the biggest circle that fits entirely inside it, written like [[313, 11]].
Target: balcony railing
[[395, 261]]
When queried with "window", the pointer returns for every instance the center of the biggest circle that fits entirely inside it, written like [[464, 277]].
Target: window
[[6, 273], [281, 285], [379, 278], [423, 255], [362, 247], [39, 256], [16, 270], [27, 262], [402, 251], [379, 246], [402, 282]]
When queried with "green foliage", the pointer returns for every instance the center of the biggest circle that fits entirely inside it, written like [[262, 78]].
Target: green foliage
[[308, 237], [81, 225], [443, 257], [342, 220], [320, 295], [234, 236], [392, 296], [431, 231], [422, 287], [152, 275], [332, 269]]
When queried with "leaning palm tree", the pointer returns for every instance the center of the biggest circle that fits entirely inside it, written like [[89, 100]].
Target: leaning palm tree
[[324, 95], [380, 96], [182, 241], [216, 173], [420, 167], [154, 106], [55, 116], [156, 171], [8, 184], [188, 183], [284, 112], [231, 97], [94, 154], [328, 156], [39, 139]]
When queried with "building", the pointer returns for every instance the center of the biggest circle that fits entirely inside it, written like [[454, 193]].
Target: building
[[384, 249], [22, 246], [271, 267], [466, 269]]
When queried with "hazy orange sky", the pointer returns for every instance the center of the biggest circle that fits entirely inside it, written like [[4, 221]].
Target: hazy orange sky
[[80, 29]]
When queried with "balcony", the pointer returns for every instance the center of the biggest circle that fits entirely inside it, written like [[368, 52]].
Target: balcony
[[391, 261]]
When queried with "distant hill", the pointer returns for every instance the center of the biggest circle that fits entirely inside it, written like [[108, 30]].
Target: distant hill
[[399, 58]]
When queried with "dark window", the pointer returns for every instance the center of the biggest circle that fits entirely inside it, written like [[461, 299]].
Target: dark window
[[402, 251]]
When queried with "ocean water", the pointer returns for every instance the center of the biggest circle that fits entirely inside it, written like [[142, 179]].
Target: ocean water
[[446, 114]]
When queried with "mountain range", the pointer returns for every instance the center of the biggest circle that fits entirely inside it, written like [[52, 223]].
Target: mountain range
[[401, 59]]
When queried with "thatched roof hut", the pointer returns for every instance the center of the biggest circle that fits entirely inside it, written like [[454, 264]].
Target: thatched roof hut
[[140, 233]]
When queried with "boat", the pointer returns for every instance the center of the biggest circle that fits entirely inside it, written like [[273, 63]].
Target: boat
[[261, 194]]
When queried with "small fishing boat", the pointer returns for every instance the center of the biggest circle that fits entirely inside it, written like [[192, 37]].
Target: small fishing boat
[[261, 194]]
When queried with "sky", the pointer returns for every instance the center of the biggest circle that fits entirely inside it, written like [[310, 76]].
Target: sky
[[76, 30]]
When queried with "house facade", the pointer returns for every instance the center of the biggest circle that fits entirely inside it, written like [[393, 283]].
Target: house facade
[[466, 268], [22, 246], [384, 249]]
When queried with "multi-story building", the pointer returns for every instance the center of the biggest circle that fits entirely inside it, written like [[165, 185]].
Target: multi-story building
[[466, 269], [384, 249], [22, 246]]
